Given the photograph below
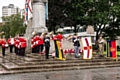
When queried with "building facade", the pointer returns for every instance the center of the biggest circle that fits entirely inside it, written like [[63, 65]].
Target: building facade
[[10, 10]]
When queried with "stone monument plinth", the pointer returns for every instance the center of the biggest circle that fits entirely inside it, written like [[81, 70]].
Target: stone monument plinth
[[39, 21]]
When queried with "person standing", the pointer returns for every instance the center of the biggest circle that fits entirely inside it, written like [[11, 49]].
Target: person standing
[[4, 45], [37, 42], [22, 45], [11, 43], [47, 45], [101, 43], [42, 41], [16, 42], [76, 45]]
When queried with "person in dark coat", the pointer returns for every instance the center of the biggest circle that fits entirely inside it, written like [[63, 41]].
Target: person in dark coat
[[76, 45], [47, 45]]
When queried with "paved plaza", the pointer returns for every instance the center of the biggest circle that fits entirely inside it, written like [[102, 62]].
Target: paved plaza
[[89, 74]]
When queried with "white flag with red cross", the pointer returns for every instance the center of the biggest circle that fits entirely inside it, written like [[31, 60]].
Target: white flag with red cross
[[87, 47]]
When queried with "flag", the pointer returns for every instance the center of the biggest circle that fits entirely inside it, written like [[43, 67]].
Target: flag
[[58, 51], [46, 11], [111, 49], [87, 47], [28, 9]]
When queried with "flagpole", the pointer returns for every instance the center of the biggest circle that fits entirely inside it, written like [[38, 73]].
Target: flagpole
[[116, 53]]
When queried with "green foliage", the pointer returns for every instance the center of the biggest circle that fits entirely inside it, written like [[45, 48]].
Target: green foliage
[[13, 25], [86, 12]]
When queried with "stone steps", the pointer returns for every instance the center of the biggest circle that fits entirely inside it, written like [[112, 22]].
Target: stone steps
[[62, 62], [59, 65], [60, 69], [32, 63]]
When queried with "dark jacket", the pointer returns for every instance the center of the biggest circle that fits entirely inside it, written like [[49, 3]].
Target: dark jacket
[[76, 42], [47, 41]]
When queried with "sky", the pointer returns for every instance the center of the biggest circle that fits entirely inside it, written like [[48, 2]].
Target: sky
[[18, 3]]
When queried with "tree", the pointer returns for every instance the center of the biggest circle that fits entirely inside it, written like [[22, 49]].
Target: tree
[[112, 31], [97, 13], [57, 14], [13, 25]]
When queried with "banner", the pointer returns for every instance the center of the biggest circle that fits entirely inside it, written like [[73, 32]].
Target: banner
[[87, 47], [58, 51], [111, 49]]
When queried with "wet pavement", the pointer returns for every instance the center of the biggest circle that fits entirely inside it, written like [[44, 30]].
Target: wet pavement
[[89, 74]]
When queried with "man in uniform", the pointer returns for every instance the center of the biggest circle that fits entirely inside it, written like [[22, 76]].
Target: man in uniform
[[11, 43], [47, 45], [22, 45], [3, 43]]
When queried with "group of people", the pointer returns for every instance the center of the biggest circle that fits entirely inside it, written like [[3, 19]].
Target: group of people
[[38, 42], [19, 43], [41, 41]]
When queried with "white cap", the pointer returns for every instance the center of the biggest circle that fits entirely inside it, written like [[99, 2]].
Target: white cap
[[33, 33]]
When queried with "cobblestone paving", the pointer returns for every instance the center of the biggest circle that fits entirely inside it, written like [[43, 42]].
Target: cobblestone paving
[[91, 74]]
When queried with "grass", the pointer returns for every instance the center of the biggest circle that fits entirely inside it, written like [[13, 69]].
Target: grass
[[118, 52]]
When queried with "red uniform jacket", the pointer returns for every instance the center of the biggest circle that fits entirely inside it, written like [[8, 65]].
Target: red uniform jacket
[[36, 41], [3, 43], [16, 43], [11, 41], [0, 42], [33, 41], [22, 42]]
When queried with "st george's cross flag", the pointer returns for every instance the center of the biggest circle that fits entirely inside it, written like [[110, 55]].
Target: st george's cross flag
[[58, 51], [111, 49], [87, 47]]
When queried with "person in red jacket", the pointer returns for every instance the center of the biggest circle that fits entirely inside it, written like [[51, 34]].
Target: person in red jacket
[[22, 45], [11, 43], [32, 45], [37, 43], [42, 36], [4, 45], [16, 42]]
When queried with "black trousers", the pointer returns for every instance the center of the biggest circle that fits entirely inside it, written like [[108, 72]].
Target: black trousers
[[33, 50], [22, 51], [11, 48], [3, 51], [47, 52], [37, 49], [41, 47], [16, 50]]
